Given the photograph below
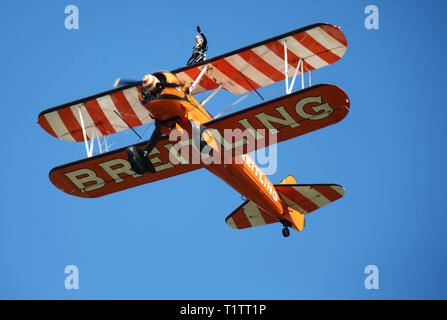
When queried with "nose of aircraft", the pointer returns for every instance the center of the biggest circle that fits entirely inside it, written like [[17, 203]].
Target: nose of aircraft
[[150, 82]]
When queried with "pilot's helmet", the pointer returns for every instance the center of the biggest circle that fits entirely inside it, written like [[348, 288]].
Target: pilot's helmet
[[150, 83]]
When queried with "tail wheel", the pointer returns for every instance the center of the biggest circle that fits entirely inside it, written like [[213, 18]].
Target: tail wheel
[[286, 224], [285, 232], [137, 160]]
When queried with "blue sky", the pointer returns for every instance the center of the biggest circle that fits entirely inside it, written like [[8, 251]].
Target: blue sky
[[389, 154]]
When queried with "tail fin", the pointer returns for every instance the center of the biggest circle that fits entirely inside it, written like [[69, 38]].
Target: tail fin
[[249, 215], [289, 180], [297, 218]]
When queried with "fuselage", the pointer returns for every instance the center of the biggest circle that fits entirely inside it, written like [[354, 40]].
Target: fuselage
[[177, 105]]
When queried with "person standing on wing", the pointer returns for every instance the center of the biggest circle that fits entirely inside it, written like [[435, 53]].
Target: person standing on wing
[[198, 52]]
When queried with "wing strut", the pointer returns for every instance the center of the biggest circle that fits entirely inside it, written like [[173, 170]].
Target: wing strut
[[289, 87], [251, 85], [91, 142], [89, 150], [99, 143], [212, 94], [233, 104], [95, 134], [128, 125], [300, 64], [202, 72]]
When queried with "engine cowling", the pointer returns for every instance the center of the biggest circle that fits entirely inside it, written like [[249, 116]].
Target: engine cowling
[[170, 100]]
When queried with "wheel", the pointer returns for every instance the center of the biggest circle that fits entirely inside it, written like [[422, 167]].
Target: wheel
[[137, 159], [285, 232]]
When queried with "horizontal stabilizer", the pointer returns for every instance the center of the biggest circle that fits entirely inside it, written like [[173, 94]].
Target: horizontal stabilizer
[[306, 198], [249, 215]]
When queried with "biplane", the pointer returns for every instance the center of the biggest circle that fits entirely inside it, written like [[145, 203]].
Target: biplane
[[186, 137]]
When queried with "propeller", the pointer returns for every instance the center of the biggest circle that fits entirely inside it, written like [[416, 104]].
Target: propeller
[[124, 82]]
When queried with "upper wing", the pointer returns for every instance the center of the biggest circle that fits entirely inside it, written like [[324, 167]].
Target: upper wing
[[262, 63], [278, 120], [238, 71], [102, 114], [111, 172]]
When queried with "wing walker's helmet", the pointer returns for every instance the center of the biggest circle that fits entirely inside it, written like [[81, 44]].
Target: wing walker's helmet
[[150, 83]]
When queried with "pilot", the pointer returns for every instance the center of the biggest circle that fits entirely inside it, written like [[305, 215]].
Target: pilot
[[150, 89], [198, 52]]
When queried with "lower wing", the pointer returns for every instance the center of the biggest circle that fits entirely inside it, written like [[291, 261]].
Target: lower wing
[[278, 120], [239, 133], [111, 172]]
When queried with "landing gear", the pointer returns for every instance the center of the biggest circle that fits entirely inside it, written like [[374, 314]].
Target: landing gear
[[285, 230], [139, 163], [153, 140], [138, 158]]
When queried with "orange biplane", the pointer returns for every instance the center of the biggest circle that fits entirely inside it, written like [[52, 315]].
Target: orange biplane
[[186, 137]]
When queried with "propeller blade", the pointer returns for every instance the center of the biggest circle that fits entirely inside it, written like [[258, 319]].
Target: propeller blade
[[124, 82]]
